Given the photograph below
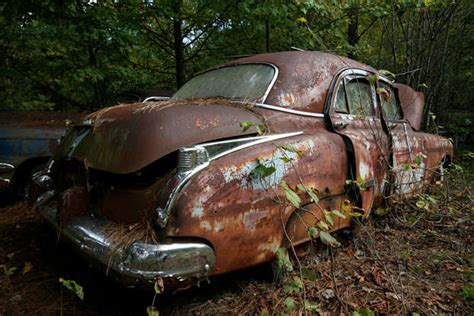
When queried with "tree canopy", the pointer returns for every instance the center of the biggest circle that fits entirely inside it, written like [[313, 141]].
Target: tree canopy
[[81, 55]]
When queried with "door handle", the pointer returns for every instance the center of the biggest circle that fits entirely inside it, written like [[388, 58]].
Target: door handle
[[340, 124]]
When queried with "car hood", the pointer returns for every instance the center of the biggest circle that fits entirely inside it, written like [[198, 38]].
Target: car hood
[[126, 138]]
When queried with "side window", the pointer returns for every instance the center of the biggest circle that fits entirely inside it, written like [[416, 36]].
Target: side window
[[359, 96], [341, 103], [390, 108]]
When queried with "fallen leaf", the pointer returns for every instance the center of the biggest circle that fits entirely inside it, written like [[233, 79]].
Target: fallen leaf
[[27, 267], [454, 287], [377, 275], [368, 290]]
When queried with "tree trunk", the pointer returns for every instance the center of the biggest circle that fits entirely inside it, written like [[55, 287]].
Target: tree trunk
[[178, 46], [352, 30], [267, 35]]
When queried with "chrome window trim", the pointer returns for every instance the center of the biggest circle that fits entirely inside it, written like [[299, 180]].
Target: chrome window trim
[[272, 82], [183, 177], [354, 73], [155, 98], [281, 109], [290, 111]]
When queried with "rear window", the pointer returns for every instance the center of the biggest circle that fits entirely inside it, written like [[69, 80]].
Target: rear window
[[247, 82]]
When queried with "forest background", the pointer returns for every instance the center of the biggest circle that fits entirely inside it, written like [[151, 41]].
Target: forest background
[[79, 56]]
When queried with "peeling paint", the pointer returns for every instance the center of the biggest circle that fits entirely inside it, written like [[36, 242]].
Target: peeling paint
[[252, 218]]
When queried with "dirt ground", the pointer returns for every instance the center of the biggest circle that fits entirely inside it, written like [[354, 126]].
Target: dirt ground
[[408, 260]]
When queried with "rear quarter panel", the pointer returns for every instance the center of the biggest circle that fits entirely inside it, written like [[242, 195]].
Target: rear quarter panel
[[244, 217]]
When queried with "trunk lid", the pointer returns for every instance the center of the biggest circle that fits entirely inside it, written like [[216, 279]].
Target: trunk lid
[[126, 138]]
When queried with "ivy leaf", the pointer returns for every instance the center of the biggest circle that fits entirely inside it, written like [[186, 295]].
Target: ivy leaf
[[322, 225], [285, 159], [313, 232], [387, 74], [310, 306], [329, 240], [313, 196], [264, 312], [283, 259], [363, 312], [262, 171], [301, 187], [294, 286], [73, 286], [302, 20], [292, 149], [338, 214], [152, 311], [289, 304], [246, 125], [372, 79], [261, 129], [291, 195], [420, 203], [328, 218], [308, 274]]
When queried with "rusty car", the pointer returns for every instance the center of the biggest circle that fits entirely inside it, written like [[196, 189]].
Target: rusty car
[[259, 154]]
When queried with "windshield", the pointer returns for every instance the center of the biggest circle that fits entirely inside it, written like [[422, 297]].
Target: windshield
[[248, 82]]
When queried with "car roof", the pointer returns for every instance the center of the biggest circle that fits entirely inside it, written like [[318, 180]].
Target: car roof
[[304, 77]]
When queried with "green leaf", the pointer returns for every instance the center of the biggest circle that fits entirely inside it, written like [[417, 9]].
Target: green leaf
[[420, 203], [363, 312], [310, 306], [428, 2], [322, 225], [329, 240], [338, 214], [261, 129], [262, 171], [291, 195], [308, 274], [285, 159], [283, 259], [73, 286], [294, 286], [387, 74], [313, 196], [9, 271], [264, 312], [292, 149], [313, 232], [381, 211], [152, 311], [328, 218], [302, 20], [372, 79], [246, 125], [289, 304]]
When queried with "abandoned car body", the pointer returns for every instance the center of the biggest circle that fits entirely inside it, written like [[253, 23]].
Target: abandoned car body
[[242, 161], [27, 142]]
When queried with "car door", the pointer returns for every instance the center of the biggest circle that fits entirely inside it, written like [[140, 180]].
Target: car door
[[408, 159], [355, 116]]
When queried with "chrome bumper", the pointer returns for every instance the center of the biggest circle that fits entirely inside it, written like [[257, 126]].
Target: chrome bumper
[[139, 263], [7, 170]]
